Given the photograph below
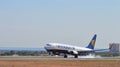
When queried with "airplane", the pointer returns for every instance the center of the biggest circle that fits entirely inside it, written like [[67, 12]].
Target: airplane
[[64, 49], [57, 49]]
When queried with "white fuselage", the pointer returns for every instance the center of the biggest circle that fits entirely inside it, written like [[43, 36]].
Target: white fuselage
[[58, 46]]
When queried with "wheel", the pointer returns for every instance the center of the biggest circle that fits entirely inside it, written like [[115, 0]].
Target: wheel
[[65, 56], [76, 56]]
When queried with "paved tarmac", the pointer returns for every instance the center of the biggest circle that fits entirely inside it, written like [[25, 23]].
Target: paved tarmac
[[54, 58]]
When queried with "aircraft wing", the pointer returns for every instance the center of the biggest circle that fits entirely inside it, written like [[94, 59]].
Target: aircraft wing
[[102, 50], [106, 49]]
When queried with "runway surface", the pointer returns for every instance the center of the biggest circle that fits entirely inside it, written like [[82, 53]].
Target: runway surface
[[53, 61], [55, 58]]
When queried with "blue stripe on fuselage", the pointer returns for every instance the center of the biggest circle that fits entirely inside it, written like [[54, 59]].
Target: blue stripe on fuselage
[[66, 47], [60, 51]]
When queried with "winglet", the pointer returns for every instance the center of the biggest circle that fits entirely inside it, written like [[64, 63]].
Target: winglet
[[92, 42]]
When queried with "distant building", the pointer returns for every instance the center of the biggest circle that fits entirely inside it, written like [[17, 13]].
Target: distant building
[[114, 47]]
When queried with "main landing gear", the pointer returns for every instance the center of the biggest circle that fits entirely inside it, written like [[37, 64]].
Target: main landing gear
[[75, 56], [65, 56]]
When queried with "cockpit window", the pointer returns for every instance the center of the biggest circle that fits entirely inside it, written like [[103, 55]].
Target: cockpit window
[[48, 45]]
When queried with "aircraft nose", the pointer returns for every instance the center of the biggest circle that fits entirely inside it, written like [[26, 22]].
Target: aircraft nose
[[48, 44]]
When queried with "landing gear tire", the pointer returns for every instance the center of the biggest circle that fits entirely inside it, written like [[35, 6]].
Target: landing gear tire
[[76, 56], [65, 56]]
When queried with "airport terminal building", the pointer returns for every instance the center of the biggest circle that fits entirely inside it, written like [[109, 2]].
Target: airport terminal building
[[114, 47]]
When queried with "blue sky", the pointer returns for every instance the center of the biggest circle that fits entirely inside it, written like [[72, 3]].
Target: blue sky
[[33, 23]]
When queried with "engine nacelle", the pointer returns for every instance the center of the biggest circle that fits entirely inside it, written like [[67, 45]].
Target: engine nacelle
[[73, 52]]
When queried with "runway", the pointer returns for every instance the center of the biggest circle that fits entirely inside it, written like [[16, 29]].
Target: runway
[[54, 58], [53, 61]]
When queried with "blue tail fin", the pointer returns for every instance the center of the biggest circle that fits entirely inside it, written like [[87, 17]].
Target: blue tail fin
[[92, 42]]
